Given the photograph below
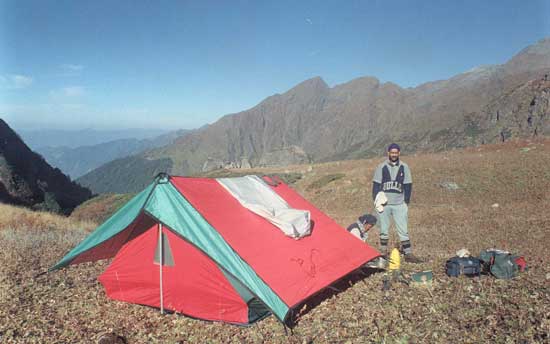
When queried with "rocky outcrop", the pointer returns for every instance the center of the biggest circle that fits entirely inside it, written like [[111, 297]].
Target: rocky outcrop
[[285, 156], [524, 112]]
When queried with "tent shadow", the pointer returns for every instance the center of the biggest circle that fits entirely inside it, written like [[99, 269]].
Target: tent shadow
[[334, 289]]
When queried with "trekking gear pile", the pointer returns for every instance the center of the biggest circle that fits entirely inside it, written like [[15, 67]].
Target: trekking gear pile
[[498, 263]]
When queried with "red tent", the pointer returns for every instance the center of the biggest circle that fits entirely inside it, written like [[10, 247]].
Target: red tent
[[187, 245]]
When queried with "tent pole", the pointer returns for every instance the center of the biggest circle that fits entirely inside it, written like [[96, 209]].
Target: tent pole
[[160, 268]]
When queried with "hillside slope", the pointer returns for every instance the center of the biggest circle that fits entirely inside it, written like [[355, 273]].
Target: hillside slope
[[27, 179], [501, 201]]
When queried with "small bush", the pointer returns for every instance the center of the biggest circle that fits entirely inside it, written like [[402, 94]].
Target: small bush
[[49, 204]]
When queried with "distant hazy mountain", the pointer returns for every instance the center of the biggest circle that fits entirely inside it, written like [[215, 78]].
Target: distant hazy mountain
[[357, 119], [86, 137], [27, 179], [78, 161]]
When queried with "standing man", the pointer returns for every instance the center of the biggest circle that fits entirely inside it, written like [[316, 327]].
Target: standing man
[[393, 177]]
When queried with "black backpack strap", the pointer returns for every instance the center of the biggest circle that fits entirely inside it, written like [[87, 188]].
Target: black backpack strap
[[386, 176], [400, 177]]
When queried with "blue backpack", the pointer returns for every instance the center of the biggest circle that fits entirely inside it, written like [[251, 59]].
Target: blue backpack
[[468, 266]]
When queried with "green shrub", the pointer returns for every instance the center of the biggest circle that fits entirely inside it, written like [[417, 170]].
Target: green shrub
[[49, 204]]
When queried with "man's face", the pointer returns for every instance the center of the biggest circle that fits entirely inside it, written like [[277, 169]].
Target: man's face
[[393, 155]]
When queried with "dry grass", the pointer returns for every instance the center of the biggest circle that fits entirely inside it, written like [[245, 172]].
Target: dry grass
[[325, 180], [100, 208], [70, 305]]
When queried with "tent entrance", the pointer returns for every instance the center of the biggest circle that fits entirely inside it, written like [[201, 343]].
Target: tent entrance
[[163, 251], [256, 309]]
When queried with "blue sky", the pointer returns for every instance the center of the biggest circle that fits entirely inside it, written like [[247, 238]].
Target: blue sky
[[182, 64]]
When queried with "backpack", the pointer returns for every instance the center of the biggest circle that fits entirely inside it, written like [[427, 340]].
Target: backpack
[[468, 266], [500, 264]]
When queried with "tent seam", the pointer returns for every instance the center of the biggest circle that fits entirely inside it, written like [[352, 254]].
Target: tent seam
[[231, 247], [235, 252]]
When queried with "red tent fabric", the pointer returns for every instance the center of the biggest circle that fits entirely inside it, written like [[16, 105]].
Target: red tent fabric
[[194, 286], [294, 269]]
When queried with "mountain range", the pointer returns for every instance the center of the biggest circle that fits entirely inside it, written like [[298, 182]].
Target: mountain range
[[78, 161], [313, 122], [27, 179], [40, 138]]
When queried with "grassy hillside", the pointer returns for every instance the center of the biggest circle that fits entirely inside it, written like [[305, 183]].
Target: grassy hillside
[[100, 208], [71, 306]]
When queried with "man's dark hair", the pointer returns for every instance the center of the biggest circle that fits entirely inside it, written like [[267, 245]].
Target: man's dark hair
[[368, 219]]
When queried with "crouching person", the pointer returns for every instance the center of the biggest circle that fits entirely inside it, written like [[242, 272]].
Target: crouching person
[[361, 228]]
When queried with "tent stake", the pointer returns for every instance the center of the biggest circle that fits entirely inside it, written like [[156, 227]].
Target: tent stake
[[160, 268]]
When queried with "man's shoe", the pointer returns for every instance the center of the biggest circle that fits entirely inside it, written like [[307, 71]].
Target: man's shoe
[[410, 258]]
